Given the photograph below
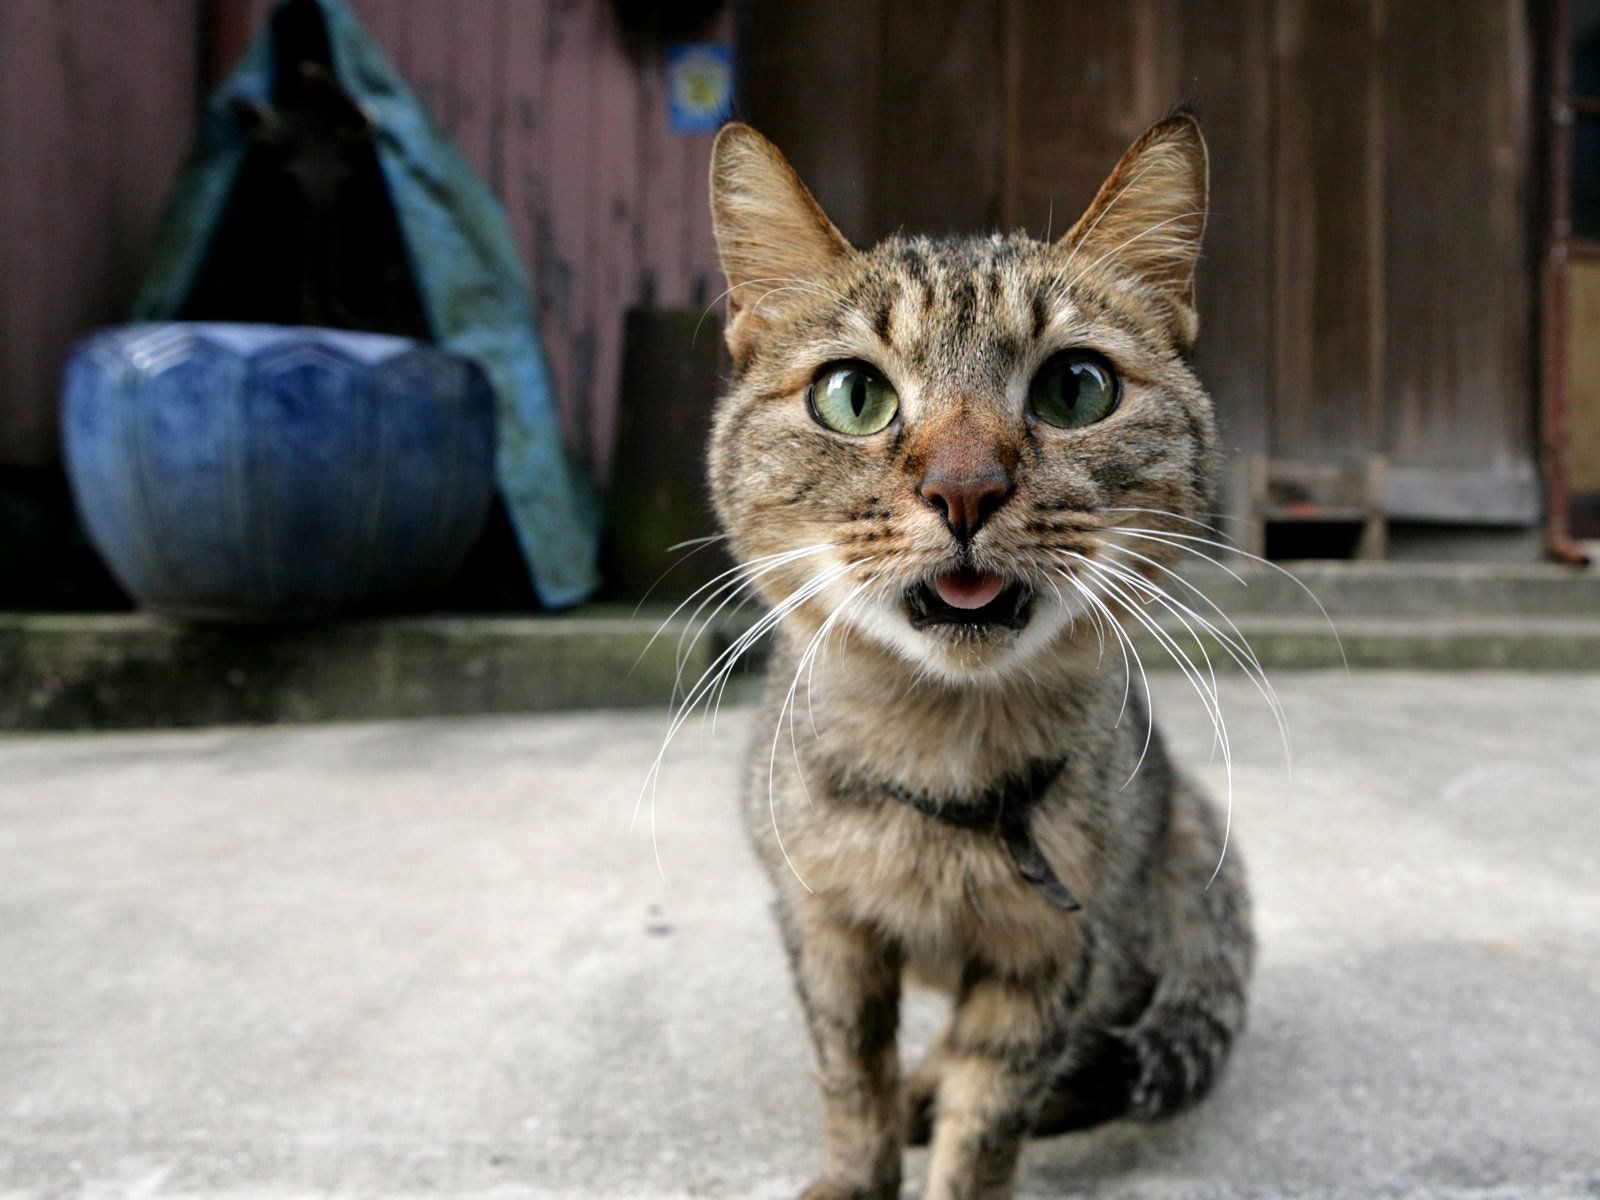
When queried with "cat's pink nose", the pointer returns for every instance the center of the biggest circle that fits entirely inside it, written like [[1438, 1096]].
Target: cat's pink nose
[[966, 502]]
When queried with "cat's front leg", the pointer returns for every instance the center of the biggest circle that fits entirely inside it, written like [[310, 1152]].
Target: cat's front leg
[[848, 978], [1005, 1035]]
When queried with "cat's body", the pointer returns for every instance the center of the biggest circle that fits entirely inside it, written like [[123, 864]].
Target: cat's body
[[954, 778]]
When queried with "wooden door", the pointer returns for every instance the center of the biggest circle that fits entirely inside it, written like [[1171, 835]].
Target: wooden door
[[1577, 31], [1367, 284]]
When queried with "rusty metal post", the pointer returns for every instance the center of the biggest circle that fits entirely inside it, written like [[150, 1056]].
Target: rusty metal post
[[1558, 234]]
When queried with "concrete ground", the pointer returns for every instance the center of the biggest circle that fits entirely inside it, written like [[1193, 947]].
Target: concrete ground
[[431, 959]]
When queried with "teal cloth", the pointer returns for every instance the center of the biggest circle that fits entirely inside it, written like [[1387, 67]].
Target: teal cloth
[[471, 282]]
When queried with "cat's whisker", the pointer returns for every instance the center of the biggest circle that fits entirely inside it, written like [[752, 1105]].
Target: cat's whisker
[[746, 598], [811, 716], [721, 667], [675, 723], [1102, 615], [1072, 618], [788, 707], [703, 540], [1132, 600], [808, 664], [794, 744], [1211, 700], [727, 676], [743, 592], [1238, 645], [1148, 592], [1110, 619], [1060, 599], [1159, 535], [1126, 645], [698, 544], [732, 655], [1155, 536], [808, 656], [765, 625], [1186, 519], [738, 569], [1100, 636], [746, 578], [1154, 593]]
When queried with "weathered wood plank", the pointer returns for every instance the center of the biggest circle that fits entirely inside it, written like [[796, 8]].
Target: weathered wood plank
[[1225, 76], [1459, 379], [475, 61], [619, 204], [567, 200], [1089, 79], [420, 49], [665, 203], [229, 26], [521, 156], [938, 96], [96, 108], [703, 272], [810, 78], [389, 23], [1327, 269]]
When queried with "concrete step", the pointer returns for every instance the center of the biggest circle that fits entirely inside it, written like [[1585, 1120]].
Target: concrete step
[[1431, 590], [1431, 643], [137, 671], [134, 671]]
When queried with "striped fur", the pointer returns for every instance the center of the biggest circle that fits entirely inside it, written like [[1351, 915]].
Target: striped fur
[[1059, 1019]]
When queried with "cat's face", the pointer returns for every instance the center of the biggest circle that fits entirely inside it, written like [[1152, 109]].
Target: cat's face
[[927, 443]]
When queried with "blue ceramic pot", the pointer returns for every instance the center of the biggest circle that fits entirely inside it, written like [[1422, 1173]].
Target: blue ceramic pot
[[257, 472]]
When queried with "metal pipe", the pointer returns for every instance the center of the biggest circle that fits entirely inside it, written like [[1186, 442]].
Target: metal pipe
[[1558, 540]]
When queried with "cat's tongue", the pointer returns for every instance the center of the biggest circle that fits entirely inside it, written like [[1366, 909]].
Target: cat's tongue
[[968, 589]]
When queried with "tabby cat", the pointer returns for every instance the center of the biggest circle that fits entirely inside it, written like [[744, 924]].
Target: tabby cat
[[956, 468]]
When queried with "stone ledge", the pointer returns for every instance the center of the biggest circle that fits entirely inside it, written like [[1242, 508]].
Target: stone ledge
[[136, 671]]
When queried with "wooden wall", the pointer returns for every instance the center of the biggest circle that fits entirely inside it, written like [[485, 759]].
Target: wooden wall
[[1367, 282], [97, 98], [605, 201], [96, 108]]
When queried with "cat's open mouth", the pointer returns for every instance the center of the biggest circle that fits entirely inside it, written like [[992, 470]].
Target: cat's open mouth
[[972, 599]]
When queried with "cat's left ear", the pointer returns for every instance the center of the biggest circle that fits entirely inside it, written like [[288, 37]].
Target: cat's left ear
[[771, 233], [1148, 218]]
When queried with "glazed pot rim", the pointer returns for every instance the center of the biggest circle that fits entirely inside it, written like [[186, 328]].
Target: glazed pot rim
[[246, 338]]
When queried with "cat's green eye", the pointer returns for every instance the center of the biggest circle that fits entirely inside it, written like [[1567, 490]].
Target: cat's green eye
[[1073, 389], [852, 398]]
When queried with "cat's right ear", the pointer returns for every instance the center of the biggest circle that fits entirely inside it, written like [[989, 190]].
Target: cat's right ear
[[1148, 218], [771, 232]]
